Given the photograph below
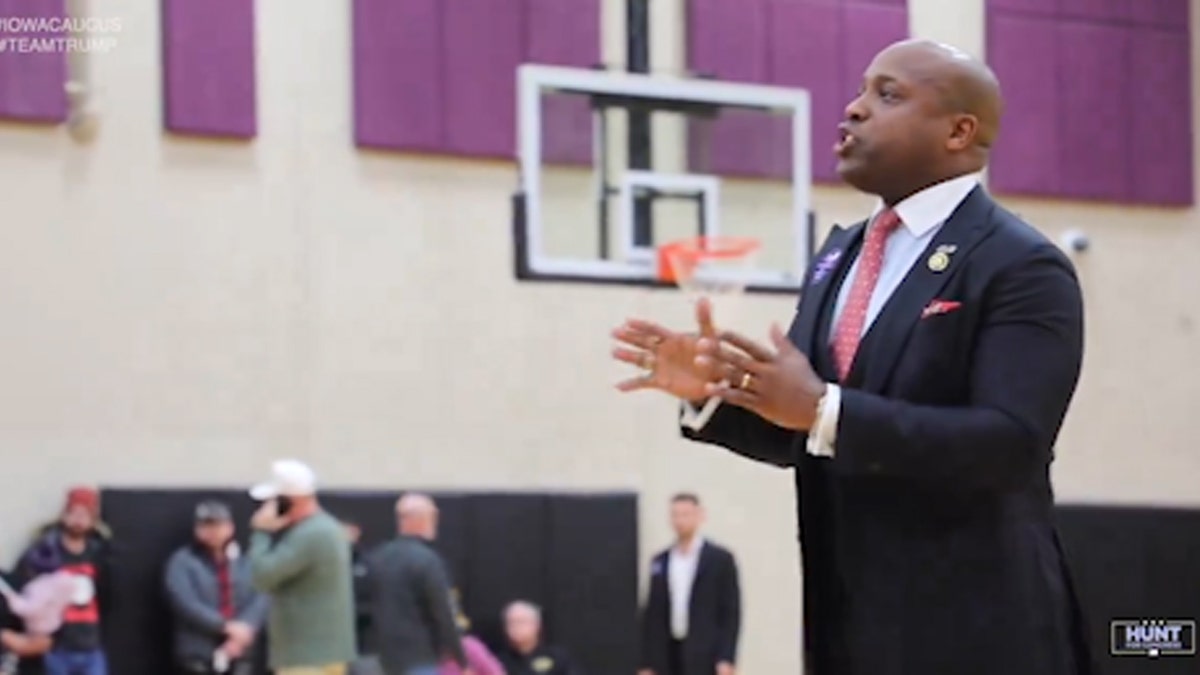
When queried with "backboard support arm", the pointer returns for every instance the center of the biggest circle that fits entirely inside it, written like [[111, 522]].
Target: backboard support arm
[[641, 152]]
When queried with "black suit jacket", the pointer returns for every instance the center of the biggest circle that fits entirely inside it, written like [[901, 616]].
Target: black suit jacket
[[928, 541], [714, 614]]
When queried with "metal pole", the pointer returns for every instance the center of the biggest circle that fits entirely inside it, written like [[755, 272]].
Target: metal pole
[[637, 60]]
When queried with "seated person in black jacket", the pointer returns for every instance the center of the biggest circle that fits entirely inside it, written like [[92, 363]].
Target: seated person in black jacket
[[21, 652], [525, 653]]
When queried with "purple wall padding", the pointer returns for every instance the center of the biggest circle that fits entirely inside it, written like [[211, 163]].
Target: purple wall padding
[[1172, 14], [209, 67], [564, 33], [483, 45], [868, 29], [397, 74], [1094, 137], [811, 58], [726, 40], [1062, 135], [811, 44], [1161, 13], [1038, 7], [1024, 160], [1093, 10], [32, 83], [1161, 131], [439, 76]]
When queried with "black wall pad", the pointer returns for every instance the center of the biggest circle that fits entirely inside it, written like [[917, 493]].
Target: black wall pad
[[1134, 563], [574, 554], [506, 560], [582, 574]]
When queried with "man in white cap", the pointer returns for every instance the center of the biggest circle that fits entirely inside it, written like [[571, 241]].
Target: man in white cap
[[298, 555]]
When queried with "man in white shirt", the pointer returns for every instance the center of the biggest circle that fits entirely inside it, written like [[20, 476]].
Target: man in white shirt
[[917, 396], [692, 617]]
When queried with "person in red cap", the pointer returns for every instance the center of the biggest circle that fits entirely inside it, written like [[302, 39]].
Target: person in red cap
[[78, 544]]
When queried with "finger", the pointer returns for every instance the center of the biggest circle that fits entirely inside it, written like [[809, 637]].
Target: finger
[[648, 328], [782, 344], [637, 338], [755, 350], [720, 370], [730, 358], [634, 357], [635, 384], [740, 397], [704, 317]]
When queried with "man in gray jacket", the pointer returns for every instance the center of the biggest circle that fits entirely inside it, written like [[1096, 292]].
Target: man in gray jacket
[[216, 609], [413, 625]]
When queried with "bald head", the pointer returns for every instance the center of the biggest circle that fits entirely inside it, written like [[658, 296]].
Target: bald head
[[927, 112], [415, 503], [416, 515], [966, 85]]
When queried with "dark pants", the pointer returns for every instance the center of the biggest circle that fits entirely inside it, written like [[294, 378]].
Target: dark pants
[[63, 662], [675, 657]]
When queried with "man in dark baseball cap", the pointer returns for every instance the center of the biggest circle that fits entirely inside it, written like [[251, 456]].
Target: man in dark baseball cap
[[218, 613], [213, 512]]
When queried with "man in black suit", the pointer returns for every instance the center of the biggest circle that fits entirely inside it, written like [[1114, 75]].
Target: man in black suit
[[918, 396], [692, 617]]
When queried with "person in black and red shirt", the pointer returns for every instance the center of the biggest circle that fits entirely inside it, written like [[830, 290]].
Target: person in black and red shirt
[[80, 545]]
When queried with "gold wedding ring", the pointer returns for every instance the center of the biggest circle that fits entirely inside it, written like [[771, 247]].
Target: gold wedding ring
[[745, 383]]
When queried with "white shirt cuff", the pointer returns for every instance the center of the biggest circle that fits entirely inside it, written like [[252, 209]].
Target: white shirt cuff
[[696, 419], [823, 435]]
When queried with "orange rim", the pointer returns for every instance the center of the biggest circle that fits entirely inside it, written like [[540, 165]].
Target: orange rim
[[688, 252]]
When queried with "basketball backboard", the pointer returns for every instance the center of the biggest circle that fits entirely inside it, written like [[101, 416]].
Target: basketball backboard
[[615, 164]]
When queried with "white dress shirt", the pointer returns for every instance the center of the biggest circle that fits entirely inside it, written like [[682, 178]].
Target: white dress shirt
[[922, 215], [681, 572]]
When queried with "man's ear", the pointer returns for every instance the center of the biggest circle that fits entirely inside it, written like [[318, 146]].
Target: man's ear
[[962, 132]]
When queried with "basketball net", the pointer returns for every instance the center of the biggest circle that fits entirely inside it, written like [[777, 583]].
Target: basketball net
[[717, 268]]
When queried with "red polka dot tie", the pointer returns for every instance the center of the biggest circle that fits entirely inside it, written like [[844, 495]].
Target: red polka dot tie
[[854, 315]]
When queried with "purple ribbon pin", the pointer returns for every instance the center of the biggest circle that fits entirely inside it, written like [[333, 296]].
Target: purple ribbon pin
[[825, 265]]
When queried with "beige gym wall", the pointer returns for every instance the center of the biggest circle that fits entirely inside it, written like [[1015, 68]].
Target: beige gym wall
[[181, 312]]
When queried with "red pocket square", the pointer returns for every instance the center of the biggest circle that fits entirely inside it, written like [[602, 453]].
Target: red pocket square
[[939, 307]]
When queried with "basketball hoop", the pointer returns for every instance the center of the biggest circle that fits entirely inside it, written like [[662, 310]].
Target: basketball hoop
[[708, 265]]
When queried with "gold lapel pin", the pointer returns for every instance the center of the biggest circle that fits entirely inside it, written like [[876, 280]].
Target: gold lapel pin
[[939, 261]]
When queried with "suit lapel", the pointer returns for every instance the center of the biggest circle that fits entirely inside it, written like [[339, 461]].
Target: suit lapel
[[829, 266], [661, 575], [703, 562], [889, 334]]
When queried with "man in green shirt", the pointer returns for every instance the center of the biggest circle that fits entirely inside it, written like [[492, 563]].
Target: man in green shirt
[[298, 556]]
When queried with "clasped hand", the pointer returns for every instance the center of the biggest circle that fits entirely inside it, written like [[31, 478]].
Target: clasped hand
[[778, 384], [239, 637]]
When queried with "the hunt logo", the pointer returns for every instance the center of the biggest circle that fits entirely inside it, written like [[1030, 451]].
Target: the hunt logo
[[1153, 637]]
